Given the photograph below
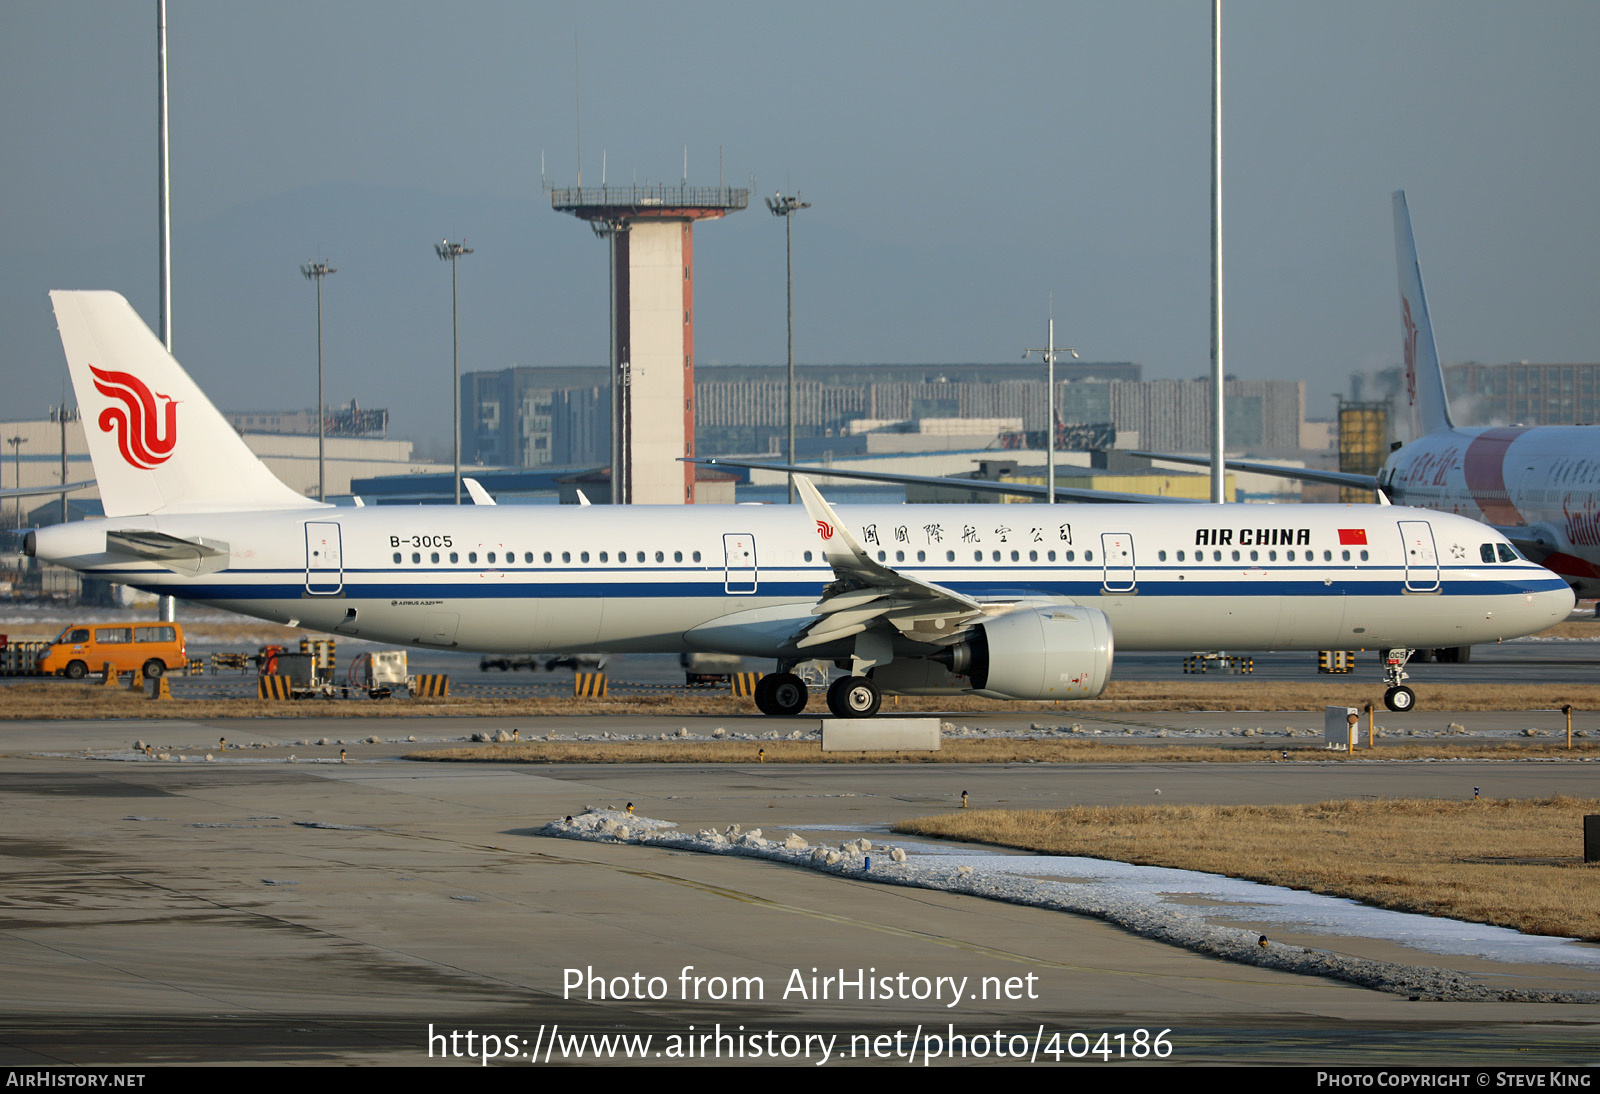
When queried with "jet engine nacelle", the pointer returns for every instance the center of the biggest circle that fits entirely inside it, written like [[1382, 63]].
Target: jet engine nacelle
[[1036, 653]]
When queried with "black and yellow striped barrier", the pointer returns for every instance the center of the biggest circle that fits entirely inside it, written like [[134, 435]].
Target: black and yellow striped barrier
[[430, 685], [744, 683], [274, 686], [108, 675], [589, 685], [1335, 661], [162, 689], [136, 680], [239, 662]]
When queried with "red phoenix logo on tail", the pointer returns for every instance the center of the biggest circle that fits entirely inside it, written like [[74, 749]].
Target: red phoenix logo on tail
[[824, 529], [143, 439]]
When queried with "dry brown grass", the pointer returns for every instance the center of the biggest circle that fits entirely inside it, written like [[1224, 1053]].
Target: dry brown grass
[[961, 751], [60, 699], [1516, 864]]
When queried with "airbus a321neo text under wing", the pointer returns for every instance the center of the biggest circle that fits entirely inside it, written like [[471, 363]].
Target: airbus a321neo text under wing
[[1014, 602]]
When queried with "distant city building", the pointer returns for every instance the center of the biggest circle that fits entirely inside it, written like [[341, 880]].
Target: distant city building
[[530, 417], [340, 421], [1523, 394]]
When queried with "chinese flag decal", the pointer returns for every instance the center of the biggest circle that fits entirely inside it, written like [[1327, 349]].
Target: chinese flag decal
[[1352, 537]]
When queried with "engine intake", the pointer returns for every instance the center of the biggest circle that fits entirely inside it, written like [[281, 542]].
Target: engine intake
[[1036, 653]]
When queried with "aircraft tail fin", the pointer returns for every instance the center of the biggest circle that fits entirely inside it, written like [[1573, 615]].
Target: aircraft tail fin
[[1430, 406], [157, 443]]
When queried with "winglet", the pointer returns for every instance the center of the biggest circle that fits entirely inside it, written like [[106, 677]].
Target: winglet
[[1430, 406], [476, 492], [839, 546]]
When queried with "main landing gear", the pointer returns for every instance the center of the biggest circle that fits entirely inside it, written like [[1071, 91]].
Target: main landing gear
[[1398, 697], [782, 694], [853, 697]]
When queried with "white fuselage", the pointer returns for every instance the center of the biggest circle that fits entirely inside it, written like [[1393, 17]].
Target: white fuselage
[[1545, 479], [742, 579]]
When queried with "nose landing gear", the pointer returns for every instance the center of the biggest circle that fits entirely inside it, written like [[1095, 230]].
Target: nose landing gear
[[1398, 697]]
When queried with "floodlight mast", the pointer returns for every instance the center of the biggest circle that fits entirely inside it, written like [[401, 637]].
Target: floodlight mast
[[450, 252], [316, 271], [785, 206], [1050, 353]]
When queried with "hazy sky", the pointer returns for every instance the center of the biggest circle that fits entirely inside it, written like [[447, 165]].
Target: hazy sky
[[964, 162]]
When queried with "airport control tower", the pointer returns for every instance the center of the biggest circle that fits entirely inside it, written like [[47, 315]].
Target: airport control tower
[[651, 233]]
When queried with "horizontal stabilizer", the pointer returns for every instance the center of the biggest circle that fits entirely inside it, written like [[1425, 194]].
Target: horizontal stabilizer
[[41, 491], [181, 556]]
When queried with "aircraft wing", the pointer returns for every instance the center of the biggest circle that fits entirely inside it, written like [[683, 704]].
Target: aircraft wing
[[1017, 489], [867, 594], [41, 491], [1304, 474]]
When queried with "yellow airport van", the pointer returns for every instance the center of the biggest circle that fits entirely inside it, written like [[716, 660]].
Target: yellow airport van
[[153, 648]]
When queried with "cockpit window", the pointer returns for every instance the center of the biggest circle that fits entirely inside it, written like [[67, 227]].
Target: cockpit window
[[1508, 553], [1486, 552]]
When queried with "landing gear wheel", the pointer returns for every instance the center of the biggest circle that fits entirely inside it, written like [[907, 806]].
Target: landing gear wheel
[[1400, 699], [786, 694], [763, 695], [853, 697]]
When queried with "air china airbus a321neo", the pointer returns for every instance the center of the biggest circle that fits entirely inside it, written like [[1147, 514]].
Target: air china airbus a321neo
[[1014, 602]]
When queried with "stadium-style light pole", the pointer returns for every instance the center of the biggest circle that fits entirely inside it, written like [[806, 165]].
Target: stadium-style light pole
[[1050, 353], [449, 252], [785, 206], [316, 271]]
